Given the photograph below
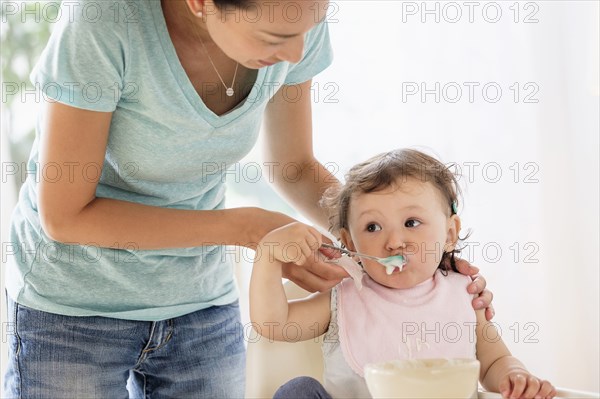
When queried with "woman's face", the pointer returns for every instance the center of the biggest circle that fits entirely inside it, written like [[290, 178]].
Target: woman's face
[[409, 218], [263, 32]]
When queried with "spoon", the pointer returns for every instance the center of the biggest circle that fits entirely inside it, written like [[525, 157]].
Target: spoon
[[390, 263]]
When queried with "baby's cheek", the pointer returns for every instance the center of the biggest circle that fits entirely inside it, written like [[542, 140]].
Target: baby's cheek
[[431, 249]]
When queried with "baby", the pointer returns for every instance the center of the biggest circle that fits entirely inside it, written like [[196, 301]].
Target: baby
[[403, 202]]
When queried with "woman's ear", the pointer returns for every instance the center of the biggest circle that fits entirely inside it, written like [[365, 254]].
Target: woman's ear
[[347, 239], [452, 233], [196, 7]]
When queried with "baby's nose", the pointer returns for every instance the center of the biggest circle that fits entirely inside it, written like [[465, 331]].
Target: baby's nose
[[395, 243]]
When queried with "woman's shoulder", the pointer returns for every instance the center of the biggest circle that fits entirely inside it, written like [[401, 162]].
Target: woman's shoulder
[[95, 13], [317, 56], [87, 24], [107, 20]]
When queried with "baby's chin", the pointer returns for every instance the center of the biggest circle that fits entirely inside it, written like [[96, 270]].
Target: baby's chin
[[395, 285], [394, 281], [399, 279]]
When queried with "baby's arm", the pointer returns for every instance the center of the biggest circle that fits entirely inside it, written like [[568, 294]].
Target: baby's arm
[[500, 371], [269, 307]]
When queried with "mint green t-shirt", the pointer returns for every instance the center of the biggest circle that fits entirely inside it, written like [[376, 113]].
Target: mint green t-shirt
[[165, 148]]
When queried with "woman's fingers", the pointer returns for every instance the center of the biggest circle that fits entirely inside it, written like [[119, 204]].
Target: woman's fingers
[[313, 242], [308, 247], [308, 280], [483, 300], [305, 264], [326, 270], [303, 253], [490, 312], [463, 266], [478, 285], [298, 243], [315, 274], [330, 253]]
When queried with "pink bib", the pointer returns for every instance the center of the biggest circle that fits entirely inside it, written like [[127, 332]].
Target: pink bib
[[434, 319]]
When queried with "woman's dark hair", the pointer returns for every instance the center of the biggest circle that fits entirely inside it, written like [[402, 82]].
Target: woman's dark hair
[[385, 170], [227, 3]]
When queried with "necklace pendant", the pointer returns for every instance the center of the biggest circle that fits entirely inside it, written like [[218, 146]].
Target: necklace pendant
[[229, 91]]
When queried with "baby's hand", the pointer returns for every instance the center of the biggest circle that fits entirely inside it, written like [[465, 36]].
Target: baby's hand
[[293, 243], [522, 385]]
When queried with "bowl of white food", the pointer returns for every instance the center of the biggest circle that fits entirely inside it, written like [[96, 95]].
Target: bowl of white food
[[423, 378]]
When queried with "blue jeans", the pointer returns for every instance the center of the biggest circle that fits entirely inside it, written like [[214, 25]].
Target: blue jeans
[[302, 387], [199, 355]]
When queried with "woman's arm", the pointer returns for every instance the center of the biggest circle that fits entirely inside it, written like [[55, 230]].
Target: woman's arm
[[500, 371], [70, 211], [298, 176], [269, 307]]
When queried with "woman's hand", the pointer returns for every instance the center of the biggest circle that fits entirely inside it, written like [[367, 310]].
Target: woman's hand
[[293, 243], [298, 247], [484, 300], [522, 385], [316, 274]]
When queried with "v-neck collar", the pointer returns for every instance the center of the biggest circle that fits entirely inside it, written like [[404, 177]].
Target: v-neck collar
[[186, 85]]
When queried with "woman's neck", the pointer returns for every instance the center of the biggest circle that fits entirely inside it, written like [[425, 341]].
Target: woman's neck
[[183, 24]]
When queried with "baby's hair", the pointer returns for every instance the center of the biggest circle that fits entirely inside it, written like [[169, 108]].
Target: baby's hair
[[385, 170]]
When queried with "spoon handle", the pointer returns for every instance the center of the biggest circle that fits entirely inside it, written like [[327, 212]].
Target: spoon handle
[[348, 252], [342, 250]]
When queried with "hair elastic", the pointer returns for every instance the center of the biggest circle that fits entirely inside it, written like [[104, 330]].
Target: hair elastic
[[454, 208]]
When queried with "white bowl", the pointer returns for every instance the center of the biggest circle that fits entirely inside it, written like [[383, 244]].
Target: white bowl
[[423, 378]]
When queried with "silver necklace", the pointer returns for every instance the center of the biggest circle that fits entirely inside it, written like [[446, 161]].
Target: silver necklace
[[228, 90]]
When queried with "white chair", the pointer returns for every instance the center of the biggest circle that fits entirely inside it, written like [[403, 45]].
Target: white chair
[[271, 364], [561, 393]]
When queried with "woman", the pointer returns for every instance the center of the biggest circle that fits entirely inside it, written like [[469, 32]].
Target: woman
[[120, 281]]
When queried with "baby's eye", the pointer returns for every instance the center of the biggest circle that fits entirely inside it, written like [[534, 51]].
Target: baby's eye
[[371, 227], [412, 223]]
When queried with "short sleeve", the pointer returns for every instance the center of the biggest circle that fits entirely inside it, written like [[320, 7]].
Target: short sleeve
[[83, 63], [318, 55]]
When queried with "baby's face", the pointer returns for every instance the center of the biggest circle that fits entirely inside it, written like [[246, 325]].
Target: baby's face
[[409, 218]]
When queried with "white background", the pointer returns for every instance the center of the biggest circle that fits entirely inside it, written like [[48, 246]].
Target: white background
[[546, 196]]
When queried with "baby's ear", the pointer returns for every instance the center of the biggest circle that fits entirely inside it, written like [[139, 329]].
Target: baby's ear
[[452, 233], [346, 239]]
